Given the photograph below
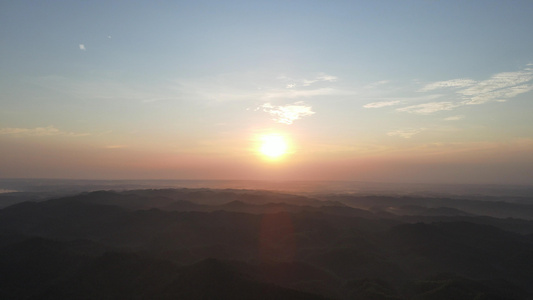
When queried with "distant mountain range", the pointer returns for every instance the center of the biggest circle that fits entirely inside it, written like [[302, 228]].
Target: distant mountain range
[[250, 244]]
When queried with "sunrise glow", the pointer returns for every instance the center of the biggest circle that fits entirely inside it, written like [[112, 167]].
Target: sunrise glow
[[277, 90], [273, 146]]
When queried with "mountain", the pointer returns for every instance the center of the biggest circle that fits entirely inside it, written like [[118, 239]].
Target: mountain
[[131, 245]]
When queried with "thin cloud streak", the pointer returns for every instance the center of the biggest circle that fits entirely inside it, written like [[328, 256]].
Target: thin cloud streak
[[454, 83], [39, 131], [381, 104], [454, 118], [428, 108], [291, 94], [321, 77], [255, 86], [405, 133]]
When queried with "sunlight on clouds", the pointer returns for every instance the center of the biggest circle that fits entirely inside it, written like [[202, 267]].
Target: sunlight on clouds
[[287, 114], [381, 104], [394, 101], [428, 108]]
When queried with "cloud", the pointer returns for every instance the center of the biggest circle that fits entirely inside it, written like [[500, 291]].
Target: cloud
[[255, 86], [260, 87], [82, 47], [454, 118], [405, 133], [454, 83], [381, 104], [321, 77], [499, 87], [291, 94], [428, 108], [287, 114], [326, 77], [499, 81], [39, 131], [500, 95]]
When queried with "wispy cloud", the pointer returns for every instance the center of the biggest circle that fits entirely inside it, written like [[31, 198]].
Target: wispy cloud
[[221, 88], [39, 131], [428, 108], [385, 101], [405, 133], [454, 83], [498, 88], [499, 81], [82, 47], [256, 86], [381, 104], [287, 114], [292, 94], [480, 95], [319, 78], [454, 118]]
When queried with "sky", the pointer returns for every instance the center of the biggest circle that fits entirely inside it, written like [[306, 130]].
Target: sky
[[422, 91]]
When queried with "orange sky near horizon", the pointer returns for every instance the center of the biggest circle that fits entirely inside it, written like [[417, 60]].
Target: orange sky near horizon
[[430, 92], [456, 163]]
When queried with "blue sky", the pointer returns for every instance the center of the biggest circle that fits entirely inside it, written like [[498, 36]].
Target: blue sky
[[418, 91]]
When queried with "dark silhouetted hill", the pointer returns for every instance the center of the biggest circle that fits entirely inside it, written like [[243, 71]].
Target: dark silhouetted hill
[[231, 244]]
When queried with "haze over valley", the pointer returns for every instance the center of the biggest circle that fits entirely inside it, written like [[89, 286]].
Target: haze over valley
[[227, 243]]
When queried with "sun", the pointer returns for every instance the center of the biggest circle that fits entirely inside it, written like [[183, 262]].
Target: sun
[[273, 146]]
